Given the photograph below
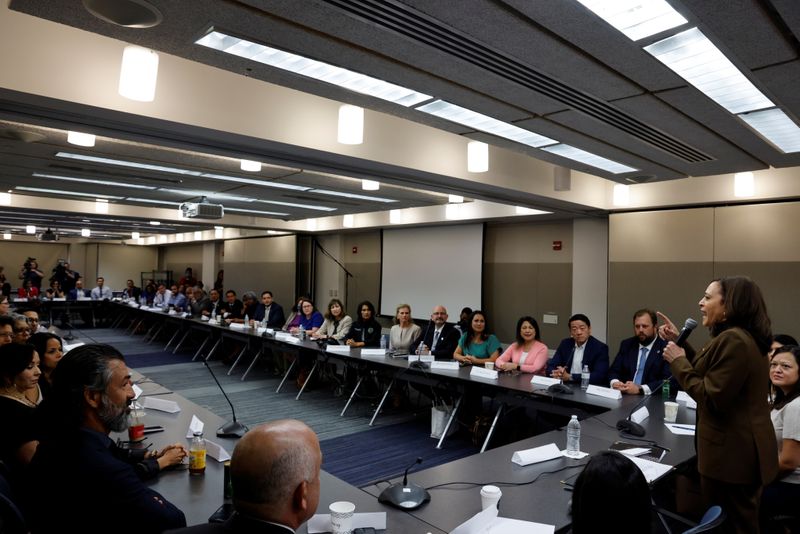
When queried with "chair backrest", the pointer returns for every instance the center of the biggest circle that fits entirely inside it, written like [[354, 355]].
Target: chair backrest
[[713, 518]]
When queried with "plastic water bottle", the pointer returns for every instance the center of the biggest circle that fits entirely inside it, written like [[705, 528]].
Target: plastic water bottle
[[246, 321], [214, 314], [384, 341], [301, 333], [573, 437], [585, 378], [665, 390]]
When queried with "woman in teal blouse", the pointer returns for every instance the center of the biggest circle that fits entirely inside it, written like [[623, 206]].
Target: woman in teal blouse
[[476, 346]]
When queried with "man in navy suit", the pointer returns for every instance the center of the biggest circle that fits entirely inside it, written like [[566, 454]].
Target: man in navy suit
[[272, 310], [639, 367], [580, 349]]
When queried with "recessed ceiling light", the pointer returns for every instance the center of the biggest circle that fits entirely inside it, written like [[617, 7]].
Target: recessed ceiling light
[[455, 199], [477, 156], [30, 229], [219, 232], [198, 235], [521, 210], [452, 211], [5, 199], [311, 225], [7, 235], [250, 165], [348, 220], [744, 184], [350, 130], [587, 158], [395, 216], [135, 235], [370, 185], [693, 57], [311, 68], [636, 18], [80, 139], [484, 123], [86, 232], [155, 223], [622, 195]]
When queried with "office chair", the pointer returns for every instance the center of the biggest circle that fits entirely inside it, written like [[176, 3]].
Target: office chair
[[713, 518]]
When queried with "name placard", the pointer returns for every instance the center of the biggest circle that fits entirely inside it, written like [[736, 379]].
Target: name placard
[[482, 372], [604, 392]]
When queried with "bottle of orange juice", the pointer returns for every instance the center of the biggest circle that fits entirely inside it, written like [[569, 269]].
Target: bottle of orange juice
[[197, 455]]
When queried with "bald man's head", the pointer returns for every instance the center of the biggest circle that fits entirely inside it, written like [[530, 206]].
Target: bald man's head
[[275, 472]]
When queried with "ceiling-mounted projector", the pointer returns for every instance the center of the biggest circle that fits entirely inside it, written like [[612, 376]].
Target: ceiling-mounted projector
[[47, 235], [202, 210]]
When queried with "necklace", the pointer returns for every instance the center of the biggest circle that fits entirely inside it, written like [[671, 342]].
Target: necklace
[[13, 393]]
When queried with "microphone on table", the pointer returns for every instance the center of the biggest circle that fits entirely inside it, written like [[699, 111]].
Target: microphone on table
[[635, 429], [561, 387], [405, 496], [419, 364], [232, 429]]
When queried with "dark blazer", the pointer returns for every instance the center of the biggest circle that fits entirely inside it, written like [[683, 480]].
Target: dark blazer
[[88, 485], [595, 355], [276, 318], [729, 380], [369, 333], [656, 368], [236, 523], [75, 294], [445, 347]]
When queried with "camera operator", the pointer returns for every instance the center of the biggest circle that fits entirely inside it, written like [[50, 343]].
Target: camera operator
[[30, 271], [65, 276]]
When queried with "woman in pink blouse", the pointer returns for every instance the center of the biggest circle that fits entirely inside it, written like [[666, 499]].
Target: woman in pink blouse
[[527, 354]]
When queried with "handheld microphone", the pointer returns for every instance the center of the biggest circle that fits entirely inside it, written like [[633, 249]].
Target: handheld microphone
[[635, 429], [232, 429], [686, 331], [405, 496]]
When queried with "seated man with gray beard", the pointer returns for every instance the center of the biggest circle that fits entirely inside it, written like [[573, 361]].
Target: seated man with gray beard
[[88, 483]]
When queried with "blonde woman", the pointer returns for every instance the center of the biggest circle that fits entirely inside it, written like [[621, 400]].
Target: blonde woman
[[404, 331]]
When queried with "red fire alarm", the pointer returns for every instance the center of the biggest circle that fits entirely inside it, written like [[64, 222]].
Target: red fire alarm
[[556, 245], [355, 250]]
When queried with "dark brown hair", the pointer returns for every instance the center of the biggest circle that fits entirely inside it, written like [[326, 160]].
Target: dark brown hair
[[744, 308]]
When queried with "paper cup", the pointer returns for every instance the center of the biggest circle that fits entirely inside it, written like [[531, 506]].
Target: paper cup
[[670, 412], [490, 496], [342, 517], [489, 365]]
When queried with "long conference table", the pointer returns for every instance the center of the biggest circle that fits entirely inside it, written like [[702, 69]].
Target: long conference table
[[537, 492]]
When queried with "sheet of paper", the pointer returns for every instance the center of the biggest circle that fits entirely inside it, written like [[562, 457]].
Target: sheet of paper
[[635, 451], [536, 455], [681, 429], [651, 470], [195, 426], [322, 522], [163, 405], [136, 391], [685, 398], [504, 525], [478, 523], [217, 451]]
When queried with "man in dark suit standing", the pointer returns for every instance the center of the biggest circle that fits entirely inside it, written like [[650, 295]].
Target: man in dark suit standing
[[438, 337], [275, 475], [639, 367], [580, 349], [270, 310]]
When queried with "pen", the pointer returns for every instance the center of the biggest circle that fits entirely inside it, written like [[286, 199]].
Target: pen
[[682, 427]]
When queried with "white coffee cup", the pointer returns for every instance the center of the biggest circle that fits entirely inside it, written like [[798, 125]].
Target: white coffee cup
[[489, 365], [490, 496], [670, 411], [342, 517]]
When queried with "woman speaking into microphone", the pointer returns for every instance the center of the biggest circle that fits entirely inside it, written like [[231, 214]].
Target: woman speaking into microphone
[[729, 378]]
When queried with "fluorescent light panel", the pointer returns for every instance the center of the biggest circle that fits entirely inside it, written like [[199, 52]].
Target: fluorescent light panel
[[92, 181], [150, 201], [69, 193], [484, 123], [693, 57], [311, 68], [587, 158], [177, 170], [775, 126], [269, 213], [522, 210], [637, 19], [80, 139], [295, 205], [249, 165], [351, 195]]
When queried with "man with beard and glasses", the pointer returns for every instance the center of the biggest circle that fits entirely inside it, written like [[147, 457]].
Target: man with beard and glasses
[[88, 483], [639, 367]]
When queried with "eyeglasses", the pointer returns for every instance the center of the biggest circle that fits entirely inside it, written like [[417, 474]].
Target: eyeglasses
[[22, 331], [7, 335]]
